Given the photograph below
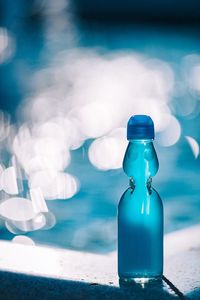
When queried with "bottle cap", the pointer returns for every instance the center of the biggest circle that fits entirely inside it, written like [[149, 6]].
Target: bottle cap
[[140, 127]]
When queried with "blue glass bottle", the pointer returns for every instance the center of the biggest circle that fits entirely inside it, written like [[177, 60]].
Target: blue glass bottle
[[140, 210]]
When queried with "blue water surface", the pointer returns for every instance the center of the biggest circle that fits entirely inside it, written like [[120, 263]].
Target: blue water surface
[[88, 220]]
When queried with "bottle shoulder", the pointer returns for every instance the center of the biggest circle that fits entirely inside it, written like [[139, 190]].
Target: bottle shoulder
[[131, 196]]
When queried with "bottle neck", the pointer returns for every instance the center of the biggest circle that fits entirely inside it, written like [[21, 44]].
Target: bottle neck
[[141, 141], [140, 161]]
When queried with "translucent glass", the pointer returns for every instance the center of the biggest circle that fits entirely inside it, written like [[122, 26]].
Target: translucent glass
[[140, 216]]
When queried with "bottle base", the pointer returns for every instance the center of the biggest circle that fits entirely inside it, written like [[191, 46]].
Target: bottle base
[[140, 279]]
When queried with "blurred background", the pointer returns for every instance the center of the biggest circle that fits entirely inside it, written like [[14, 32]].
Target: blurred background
[[72, 73]]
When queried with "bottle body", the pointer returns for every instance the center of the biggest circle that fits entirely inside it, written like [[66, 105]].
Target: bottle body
[[140, 216]]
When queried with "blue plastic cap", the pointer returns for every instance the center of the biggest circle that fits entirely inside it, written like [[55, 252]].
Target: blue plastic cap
[[140, 127]]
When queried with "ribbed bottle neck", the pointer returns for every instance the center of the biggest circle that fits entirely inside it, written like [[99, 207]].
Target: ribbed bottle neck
[[141, 141]]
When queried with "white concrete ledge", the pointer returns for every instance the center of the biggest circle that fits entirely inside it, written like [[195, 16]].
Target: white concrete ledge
[[85, 270]]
